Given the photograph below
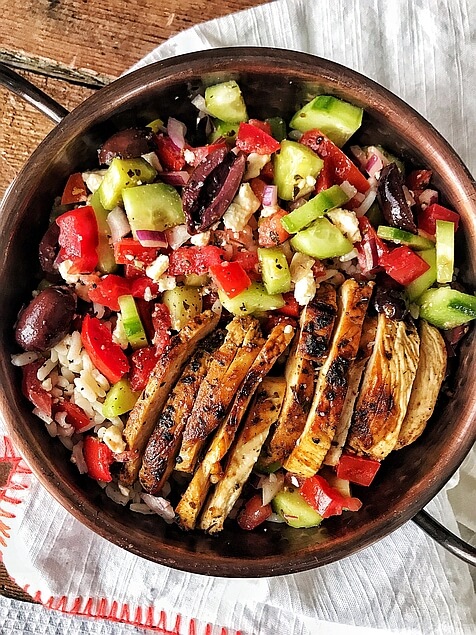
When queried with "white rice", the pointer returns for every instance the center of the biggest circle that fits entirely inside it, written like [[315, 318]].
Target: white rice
[[22, 359]]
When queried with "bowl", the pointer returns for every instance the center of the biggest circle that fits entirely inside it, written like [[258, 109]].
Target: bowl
[[274, 82]]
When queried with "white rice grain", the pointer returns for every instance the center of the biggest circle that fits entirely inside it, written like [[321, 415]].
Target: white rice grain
[[51, 428], [78, 457], [22, 359], [45, 369], [140, 508], [75, 347], [47, 384], [42, 415]]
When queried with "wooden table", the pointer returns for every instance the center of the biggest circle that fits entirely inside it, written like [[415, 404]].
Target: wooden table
[[70, 48]]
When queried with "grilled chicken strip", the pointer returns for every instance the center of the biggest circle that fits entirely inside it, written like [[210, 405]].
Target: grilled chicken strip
[[209, 469], [367, 340], [332, 382], [386, 387], [263, 413], [164, 442], [166, 372], [426, 387], [317, 323], [223, 378], [299, 375]]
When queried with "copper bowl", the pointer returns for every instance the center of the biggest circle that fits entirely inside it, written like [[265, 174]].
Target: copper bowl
[[274, 82]]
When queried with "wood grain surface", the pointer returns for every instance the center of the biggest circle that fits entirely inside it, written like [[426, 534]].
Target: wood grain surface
[[70, 48]]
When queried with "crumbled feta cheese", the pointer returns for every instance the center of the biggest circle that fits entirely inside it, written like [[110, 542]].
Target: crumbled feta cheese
[[113, 439], [300, 266], [157, 268], [93, 179], [167, 283], [268, 210], [254, 164], [153, 160], [305, 186], [347, 222], [119, 335], [244, 205], [287, 329], [189, 156], [200, 240], [305, 289], [64, 268]]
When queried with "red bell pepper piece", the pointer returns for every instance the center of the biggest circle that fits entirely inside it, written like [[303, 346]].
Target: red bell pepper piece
[[291, 308], [75, 415], [371, 248], [248, 260], [230, 277], [98, 458], [108, 289], [339, 163], [129, 251], [74, 190], [357, 469], [418, 179], [270, 230], [262, 125], [403, 265], [253, 139], [170, 155], [106, 355], [33, 390], [253, 513], [198, 260], [325, 179], [327, 500], [143, 362], [427, 218], [78, 239], [139, 286], [162, 324], [267, 173]]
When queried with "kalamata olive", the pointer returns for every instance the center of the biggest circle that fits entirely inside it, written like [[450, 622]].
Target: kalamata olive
[[126, 144], [46, 320], [49, 248], [211, 188], [391, 302], [392, 201]]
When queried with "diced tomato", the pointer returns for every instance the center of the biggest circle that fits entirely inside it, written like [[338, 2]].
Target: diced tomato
[[129, 251], [201, 153], [106, 355], [403, 265], [75, 415], [339, 163], [108, 289], [75, 190], [267, 172], [427, 218], [291, 308], [258, 185], [230, 277], [33, 390], [370, 248], [162, 324], [140, 286], [78, 239], [143, 362], [130, 271], [327, 500], [262, 125], [170, 156], [418, 179], [187, 260], [253, 513], [270, 230], [250, 138], [325, 179], [98, 458], [357, 469], [247, 259]]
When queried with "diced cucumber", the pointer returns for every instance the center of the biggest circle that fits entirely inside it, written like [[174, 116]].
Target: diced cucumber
[[120, 399], [321, 240], [275, 270], [335, 118], [225, 101], [194, 280], [278, 127], [255, 299], [131, 321], [155, 125], [267, 469], [403, 237], [183, 303], [121, 174], [446, 308], [155, 207], [106, 263], [294, 164], [375, 215], [292, 507], [314, 208], [445, 251], [427, 279], [223, 129]]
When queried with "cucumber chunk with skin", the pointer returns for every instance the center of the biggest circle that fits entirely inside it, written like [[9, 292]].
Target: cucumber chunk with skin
[[122, 174], [337, 119], [131, 321], [254, 299], [155, 207], [106, 262], [292, 507], [446, 308], [445, 251], [275, 270], [321, 240], [225, 101], [183, 303], [314, 208], [223, 130], [119, 399], [402, 237], [295, 169], [427, 279]]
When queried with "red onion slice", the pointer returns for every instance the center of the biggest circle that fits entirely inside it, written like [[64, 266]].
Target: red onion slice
[[176, 131], [151, 238], [118, 224], [177, 179], [428, 197], [270, 196]]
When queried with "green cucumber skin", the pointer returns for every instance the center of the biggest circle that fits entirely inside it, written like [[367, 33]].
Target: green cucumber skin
[[123, 174], [447, 308], [314, 208], [403, 237], [292, 507], [255, 299], [107, 262], [131, 321], [294, 160], [427, 279]]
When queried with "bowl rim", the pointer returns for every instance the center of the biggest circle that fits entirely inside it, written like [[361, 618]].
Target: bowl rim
[[236, 60]]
